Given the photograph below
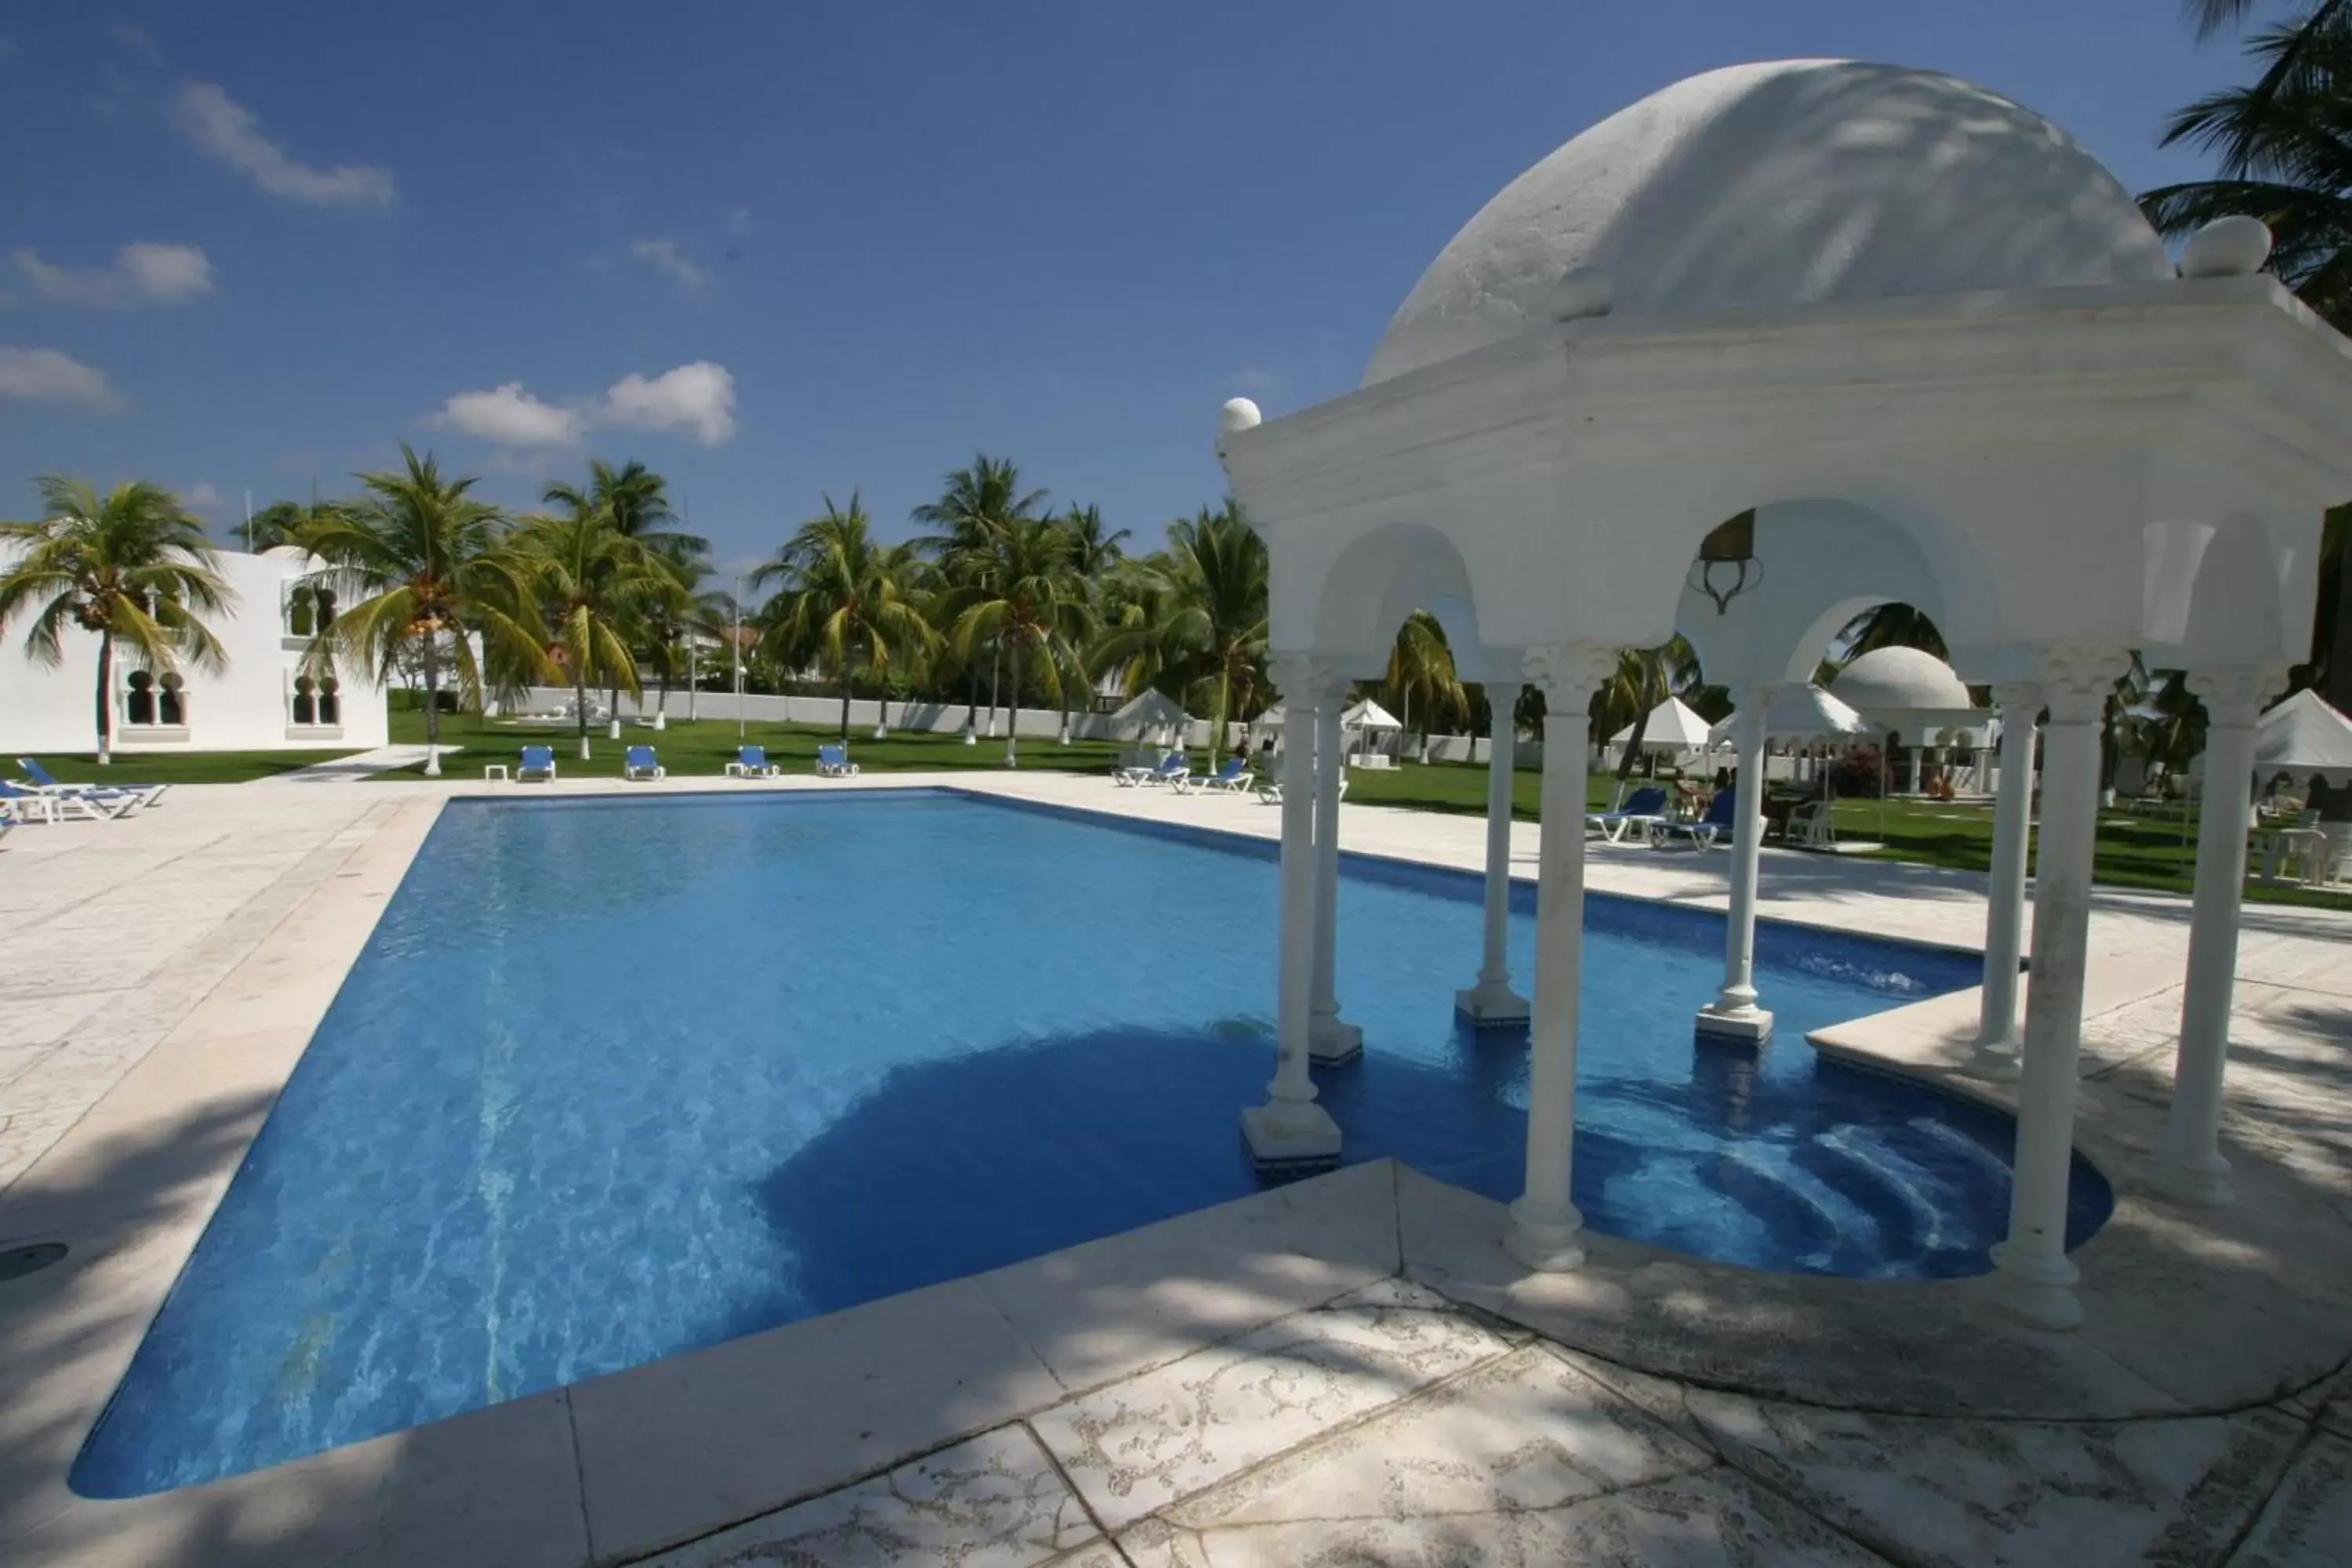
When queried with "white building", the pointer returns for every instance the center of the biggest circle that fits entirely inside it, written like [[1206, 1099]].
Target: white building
[[261, 700]]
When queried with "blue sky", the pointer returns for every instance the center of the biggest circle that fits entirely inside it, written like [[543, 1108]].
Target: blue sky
[[775, 249]]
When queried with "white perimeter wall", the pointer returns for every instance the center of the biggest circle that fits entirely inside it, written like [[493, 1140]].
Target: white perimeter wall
[[246, 707]]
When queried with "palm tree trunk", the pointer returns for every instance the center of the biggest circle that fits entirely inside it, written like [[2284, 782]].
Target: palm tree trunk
[[105, 697], [1632, 749], [971, 702], [432, 705], [1013, 729], [579, 707], [995, 668], [844, 703], [2332, 804]]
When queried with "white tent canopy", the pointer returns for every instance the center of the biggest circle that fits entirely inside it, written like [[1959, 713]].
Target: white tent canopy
[[1151, 710], [1671, 728], [2306, 738], [1798, 713], [1368, 715]]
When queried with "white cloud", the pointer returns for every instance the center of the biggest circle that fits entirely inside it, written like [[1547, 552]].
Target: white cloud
[[140, 274], [670, 262], [202, 497], [739, 220], [227, 131], [45, 376], [512, 417], [698, 396]]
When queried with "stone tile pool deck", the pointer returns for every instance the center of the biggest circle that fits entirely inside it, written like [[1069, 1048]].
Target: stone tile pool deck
[[1346, 1370]]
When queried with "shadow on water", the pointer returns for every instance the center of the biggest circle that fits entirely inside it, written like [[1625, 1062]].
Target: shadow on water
[[969, 1164]]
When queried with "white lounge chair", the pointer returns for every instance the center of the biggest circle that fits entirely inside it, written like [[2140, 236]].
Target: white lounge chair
[[1170, 769], [1716, 827], [1814, 825], [1270, 791], [145, 795]]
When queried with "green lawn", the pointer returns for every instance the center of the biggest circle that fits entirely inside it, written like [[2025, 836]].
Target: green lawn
[[177, 767], [2141, 852], [705, 747]]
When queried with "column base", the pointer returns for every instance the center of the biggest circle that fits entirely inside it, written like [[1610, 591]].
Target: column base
[[1743, 1022], [1998, 1059], [1288, 1135], [1491, 1002], [2198, 1185], [1549, 1244], [2039, 1289], [1331, 1042]]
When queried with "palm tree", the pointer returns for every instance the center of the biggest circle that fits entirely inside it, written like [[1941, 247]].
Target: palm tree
[[848, 599], [1202, 635], [1891, 625], [417, 560], [1029, 601], [975, 505], [1095, 553], [1421, 664], [593, 582], [1646, 677], [635, 501], [132, 565]]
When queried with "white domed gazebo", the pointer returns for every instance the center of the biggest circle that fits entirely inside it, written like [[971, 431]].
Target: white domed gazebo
[[1777, 344], [1908, 690]]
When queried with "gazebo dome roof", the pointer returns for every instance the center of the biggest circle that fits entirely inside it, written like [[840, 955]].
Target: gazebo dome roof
[[1900, 680], [1779, 184]]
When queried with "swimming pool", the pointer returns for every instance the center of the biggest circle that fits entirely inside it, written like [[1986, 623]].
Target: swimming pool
[[617, 1078]]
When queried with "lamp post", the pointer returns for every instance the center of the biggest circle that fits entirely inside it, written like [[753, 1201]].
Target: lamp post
[[738, 640]]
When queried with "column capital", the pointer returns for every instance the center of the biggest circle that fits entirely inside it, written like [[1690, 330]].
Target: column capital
[[1569, 672], [2012, 695], [2078, 678], [2235, 695], [1307, 681]]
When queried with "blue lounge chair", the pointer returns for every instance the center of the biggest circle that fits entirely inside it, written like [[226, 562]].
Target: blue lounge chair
[[144, 795], [1643, 810], [641, 763], [1231, 779], [752, 763], [538, 763], [1715, 828], [833, 762], [1172, 769]]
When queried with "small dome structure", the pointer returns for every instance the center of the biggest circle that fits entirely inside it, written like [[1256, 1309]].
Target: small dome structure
[[1900, 680], [1783, 183]]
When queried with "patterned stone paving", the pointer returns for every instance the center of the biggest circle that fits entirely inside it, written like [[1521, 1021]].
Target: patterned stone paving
[[1394, 1429]]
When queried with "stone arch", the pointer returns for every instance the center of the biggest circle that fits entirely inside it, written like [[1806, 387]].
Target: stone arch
[[2223, 595], [1379, 578]]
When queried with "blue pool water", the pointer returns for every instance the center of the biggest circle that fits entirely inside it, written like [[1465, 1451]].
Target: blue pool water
[[617, 1078]]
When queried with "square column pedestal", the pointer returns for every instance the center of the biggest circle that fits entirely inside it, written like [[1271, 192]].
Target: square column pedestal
[[1735, 1022], [1283, 1143]]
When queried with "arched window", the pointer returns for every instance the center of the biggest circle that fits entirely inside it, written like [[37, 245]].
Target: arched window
[[302, 620], [171, 707], [306, 705], [325, 599], [140, 707], [330, 701]]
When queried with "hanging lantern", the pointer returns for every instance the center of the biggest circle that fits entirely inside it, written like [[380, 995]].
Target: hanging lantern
[[1727, 566]]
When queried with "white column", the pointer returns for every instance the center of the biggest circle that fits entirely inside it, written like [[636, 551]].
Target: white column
[[1492, 1000], [1734, 1011], [1291, 1129], [1544, 1222], [2189, 1166], [2038, 1280], [2013, 831], [1330, 1038]]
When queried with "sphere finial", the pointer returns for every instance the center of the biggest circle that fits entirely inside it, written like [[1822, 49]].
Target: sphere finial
[[2232, 247], [1240, 414]]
